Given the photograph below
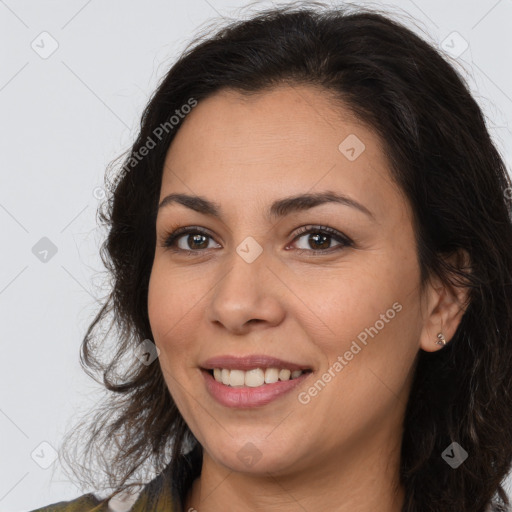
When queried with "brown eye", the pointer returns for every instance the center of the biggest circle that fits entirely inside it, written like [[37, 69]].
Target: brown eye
[[320, 239], [195, 240]]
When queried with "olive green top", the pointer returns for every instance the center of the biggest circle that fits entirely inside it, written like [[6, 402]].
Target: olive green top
[[165, 493]]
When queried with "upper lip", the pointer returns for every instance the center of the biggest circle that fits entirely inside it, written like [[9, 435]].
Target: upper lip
[[249, 362]]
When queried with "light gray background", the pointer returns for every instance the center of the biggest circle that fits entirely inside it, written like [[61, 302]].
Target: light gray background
[[63, 119]]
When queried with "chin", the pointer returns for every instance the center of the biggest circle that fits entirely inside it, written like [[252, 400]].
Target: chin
[[258, 456]]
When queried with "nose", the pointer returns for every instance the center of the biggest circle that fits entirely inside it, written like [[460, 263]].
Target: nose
[[246, 296]]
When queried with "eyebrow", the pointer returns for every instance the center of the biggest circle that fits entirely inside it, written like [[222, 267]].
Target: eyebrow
[[279, 208]]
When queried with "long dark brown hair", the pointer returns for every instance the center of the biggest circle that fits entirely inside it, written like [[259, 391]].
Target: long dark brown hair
[[443, 159]]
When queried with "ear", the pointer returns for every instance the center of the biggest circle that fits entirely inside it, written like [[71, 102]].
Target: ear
[[444, 305]]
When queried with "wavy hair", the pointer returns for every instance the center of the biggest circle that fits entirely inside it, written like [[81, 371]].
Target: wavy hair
[[444, 161]]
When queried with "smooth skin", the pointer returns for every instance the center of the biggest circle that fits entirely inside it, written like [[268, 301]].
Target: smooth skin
[[340, 451]]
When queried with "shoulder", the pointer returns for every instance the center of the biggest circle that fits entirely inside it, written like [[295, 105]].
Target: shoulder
[[165, 492], [85, 503]]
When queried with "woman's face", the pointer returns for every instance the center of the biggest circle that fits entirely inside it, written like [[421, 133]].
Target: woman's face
[[253, 284]]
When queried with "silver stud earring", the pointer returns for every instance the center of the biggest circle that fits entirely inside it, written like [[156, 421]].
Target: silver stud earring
[[441, 340]]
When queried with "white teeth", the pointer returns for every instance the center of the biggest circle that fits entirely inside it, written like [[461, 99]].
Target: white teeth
[[284, 374], [271, 375], [236, 378], [255, 377]]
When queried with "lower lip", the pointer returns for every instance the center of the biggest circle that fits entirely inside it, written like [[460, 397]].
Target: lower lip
[[246, 397]]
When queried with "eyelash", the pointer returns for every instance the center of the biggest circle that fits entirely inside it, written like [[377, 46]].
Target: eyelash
[[170, 238]]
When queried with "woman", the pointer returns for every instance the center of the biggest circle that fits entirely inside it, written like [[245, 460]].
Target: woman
[[311, 248]]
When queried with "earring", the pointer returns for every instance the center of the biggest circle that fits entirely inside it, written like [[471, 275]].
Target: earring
[[441, 340]]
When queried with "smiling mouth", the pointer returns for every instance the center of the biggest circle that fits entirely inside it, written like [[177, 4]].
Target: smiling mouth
[[255, 377]]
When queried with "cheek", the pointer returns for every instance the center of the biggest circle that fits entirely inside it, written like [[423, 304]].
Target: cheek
[[369, 313], [360, 313], [167, 315], [161, 301], [173, 304], [176, 302], [369, 349], [350, 299]]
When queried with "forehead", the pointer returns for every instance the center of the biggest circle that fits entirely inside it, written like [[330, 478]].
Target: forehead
[[289, 138]]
